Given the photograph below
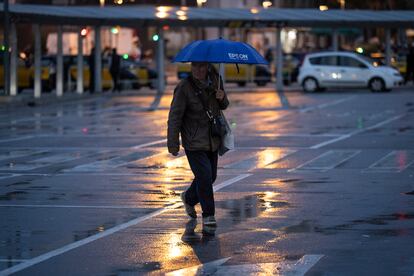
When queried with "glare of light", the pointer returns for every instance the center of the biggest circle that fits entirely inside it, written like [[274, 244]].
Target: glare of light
[[102, 3], [84, 32], [180, 13], [125, 56], [22, 55], [201, 2], [180, 162], [184, 8], [359, 50], [85, 130], [268, 156], [323, 8], [115, 30], [161, 14], [182, 17], [375, 64], [155, 37], [335, 76], [175, 248], [3, 48], [254, 10], [266, 4], [292, 34], [101, 228], [164, 9], [119, 2]]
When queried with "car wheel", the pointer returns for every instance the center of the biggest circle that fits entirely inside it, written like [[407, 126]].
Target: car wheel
[[310, 85], [377, 85]]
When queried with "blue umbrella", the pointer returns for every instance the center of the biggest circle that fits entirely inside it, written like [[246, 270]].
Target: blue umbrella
[[219, 51]]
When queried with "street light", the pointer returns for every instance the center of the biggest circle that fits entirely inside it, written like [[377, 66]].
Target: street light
[[266, 4], [342, 3], [102, 3]]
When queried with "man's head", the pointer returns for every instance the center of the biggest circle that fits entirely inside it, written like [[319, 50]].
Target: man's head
[[199, 70]]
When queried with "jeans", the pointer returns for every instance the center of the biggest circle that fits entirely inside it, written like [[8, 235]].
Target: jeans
[[204, 167]]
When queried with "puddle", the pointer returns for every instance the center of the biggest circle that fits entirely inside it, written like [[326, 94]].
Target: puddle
[[16, 195], [19, 183], [251, 206], [403, 129], [138, 269], [308, 226]]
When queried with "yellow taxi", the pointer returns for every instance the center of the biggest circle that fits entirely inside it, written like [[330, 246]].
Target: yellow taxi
[[397, 61], [244, 74], [132, 74], [25, 75]]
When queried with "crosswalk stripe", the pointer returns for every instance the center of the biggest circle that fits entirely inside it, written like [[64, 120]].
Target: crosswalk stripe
[[327, 160], [394, 161], [261, 159]]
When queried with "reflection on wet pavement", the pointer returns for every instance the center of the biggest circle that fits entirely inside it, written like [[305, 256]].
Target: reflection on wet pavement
[[251, 206]]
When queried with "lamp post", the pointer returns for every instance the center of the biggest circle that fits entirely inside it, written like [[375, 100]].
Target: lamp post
[[6, 47]]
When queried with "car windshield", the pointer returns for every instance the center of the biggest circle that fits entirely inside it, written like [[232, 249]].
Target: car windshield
[[371, 61]]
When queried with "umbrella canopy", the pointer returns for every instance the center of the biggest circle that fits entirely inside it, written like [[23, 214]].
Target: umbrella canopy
[[219, 51]]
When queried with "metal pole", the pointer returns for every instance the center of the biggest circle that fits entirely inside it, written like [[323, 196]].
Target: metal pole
[[59, 62], [160, 62], [222, 70], [37, 59], [6, 45], [279, 60], [388, 46], [98, 60], [335, 40], [13, 60], [79, 76], [279, 70]]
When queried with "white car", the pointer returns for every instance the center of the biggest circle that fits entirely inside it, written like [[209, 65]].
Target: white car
[[345, 69]]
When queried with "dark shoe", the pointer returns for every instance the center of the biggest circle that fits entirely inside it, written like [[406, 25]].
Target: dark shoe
[[190, 210], [209, 221]]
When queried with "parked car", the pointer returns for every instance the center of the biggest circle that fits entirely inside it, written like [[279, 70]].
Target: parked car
[[25, 74], [346, 69], [132, 74], [258, 74], [399, 62]]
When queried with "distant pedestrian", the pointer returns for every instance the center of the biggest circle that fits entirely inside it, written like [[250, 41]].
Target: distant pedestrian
[[188, 117], [91, 63], [409, 75], [115, 70]]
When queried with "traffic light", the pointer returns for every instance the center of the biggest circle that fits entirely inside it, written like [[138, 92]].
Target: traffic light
[[155, 37]]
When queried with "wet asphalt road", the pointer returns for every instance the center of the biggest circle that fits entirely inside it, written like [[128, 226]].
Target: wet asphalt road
[[325, 187]]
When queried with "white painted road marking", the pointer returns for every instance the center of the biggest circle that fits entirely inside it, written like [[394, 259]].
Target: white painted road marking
[[149, 144], [327, 161], [320, 106], [302, 110], [217, 268], [346, 136], [395, 161], [12, 260], [68, 247]]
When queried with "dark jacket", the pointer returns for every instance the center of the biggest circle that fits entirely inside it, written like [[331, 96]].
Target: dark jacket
[[188, 117]]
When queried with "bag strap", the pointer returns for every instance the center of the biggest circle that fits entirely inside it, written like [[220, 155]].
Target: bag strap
[[198, 93]]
